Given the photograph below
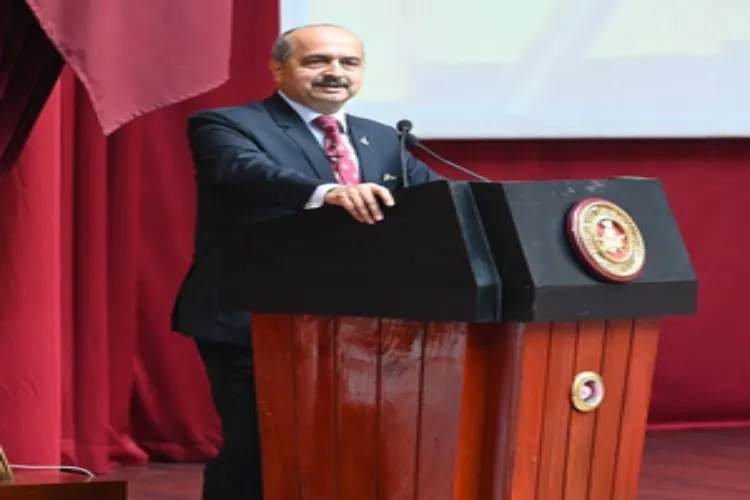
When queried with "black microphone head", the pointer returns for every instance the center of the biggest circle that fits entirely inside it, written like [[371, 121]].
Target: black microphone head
[[404, 126]]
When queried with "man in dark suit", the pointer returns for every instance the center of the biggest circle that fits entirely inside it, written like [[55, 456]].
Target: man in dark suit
[[296, 150]]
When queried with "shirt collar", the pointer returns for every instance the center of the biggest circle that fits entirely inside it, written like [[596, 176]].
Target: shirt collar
[[308, 115]]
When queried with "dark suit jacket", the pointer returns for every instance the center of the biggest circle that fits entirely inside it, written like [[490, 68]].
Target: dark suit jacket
[[257, 162]]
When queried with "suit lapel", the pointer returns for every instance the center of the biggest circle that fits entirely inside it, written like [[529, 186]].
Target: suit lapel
[[297, 130], [366, 151]]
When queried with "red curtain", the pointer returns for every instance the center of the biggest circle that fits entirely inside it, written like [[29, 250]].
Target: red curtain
[[95, 235]]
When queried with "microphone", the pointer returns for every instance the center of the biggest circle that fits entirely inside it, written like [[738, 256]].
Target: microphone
[[404, 127], [412, 140]]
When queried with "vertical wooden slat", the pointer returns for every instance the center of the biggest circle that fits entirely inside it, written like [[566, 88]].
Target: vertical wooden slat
[[531, 388], [502, 409], [273, 345], [635, 409], [358, 363], [476, 429], [582, 425], [557, 411], [614, 372], [314, 369], [400, 370], [442, 385]]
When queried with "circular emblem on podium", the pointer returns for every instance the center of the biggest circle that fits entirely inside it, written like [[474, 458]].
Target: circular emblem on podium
[[587, 391], [607, 240]]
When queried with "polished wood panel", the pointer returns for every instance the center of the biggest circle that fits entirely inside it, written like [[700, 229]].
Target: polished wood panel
[[402, 380], [537, 446], [440, 410], [552, 466], [43, 485], [315, 352], [582, 430], [275, 367], [644, 341], [357, 408], [615, 358]]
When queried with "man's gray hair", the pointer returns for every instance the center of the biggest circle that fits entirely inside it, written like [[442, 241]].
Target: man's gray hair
[[282, 48]]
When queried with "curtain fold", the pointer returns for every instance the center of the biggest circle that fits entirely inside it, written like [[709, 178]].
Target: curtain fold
[[29, 67]]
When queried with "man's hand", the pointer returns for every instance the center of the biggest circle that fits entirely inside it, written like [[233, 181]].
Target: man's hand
[[361, 200]]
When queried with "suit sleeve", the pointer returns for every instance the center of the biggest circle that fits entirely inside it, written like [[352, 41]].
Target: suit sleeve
[[227, 157], [419, 172]]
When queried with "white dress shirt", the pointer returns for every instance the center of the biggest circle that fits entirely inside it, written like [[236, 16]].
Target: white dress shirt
[[308, 115]]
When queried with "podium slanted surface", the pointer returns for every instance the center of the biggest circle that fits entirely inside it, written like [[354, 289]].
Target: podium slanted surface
[[526, 225], [459, 349], [428, 260]]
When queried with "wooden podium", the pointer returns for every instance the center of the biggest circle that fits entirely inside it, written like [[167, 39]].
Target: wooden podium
[[438, 354]]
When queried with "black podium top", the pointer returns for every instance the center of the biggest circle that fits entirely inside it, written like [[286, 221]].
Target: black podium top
[[543, 280], [427, 259], [457, 251]]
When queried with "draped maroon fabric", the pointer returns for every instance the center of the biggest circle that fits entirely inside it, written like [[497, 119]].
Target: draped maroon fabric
[[134, 56], [96, 233]]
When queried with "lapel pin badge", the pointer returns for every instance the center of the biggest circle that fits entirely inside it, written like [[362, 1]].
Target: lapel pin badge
[[389, 177], [364, 141]]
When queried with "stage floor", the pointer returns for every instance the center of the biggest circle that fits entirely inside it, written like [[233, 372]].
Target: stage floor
[[684, 465]]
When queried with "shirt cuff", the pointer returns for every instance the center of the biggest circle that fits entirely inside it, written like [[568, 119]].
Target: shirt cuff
[[318, 197]]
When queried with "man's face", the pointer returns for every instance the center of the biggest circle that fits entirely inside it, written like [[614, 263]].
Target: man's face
[[324, 70]]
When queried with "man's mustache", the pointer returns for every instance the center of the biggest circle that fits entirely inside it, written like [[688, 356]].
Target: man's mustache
[[332, 81]]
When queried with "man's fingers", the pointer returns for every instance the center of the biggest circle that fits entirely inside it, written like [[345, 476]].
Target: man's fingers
[[356, 196], [361, 201], [384, 194], [344, 200], [371, 204]]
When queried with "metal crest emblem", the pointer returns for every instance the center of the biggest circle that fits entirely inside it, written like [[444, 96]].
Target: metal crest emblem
[[607, 240]]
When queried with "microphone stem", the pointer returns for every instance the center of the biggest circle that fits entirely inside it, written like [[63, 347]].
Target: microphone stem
[[404, 172]]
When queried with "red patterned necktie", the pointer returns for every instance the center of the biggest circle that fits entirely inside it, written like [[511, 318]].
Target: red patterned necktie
[[338, 154]]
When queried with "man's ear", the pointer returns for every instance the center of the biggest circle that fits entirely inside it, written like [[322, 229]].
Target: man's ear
[[276, 69]]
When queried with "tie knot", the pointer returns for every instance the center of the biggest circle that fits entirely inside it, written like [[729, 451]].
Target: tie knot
[[328, 124]]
